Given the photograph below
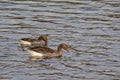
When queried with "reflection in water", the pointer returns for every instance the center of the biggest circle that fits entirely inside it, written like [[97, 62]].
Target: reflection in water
[[35, 58], [90, 27]]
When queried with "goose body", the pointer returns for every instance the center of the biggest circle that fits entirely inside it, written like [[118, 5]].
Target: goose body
[[27, 42], [44, 51]]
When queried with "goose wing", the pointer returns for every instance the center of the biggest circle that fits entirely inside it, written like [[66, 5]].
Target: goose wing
[[43, 50]]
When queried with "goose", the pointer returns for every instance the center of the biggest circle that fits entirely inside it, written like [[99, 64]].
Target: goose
[[27, 42], [46, 52]]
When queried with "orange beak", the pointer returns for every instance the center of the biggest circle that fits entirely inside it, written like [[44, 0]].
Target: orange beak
[[68, 49]]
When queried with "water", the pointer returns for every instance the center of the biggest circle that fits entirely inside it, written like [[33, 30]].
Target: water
[[90, 27]]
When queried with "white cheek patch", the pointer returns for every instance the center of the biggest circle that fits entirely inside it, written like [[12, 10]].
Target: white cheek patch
[[36, 54]]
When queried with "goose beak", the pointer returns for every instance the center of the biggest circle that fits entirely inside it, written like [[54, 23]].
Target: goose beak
[[68, 49]]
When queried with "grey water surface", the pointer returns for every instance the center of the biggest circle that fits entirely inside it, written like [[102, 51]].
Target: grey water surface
[[90, 27]]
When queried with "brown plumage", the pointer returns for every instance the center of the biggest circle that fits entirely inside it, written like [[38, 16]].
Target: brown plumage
[[44, 52], [27, 42]]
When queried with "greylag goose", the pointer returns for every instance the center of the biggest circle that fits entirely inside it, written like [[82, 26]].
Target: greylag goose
[[45, 52], [27, 42]]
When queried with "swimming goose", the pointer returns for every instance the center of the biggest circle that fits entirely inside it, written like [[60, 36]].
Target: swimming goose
[[27, 42], [45, 52]]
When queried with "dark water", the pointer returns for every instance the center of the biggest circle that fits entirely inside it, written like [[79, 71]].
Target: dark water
[[90, 27]]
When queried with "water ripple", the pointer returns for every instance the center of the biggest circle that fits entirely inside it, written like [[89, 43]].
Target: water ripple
[[90, 28]]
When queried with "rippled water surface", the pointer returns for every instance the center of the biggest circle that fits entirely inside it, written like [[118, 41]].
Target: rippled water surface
[[90, 27]]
